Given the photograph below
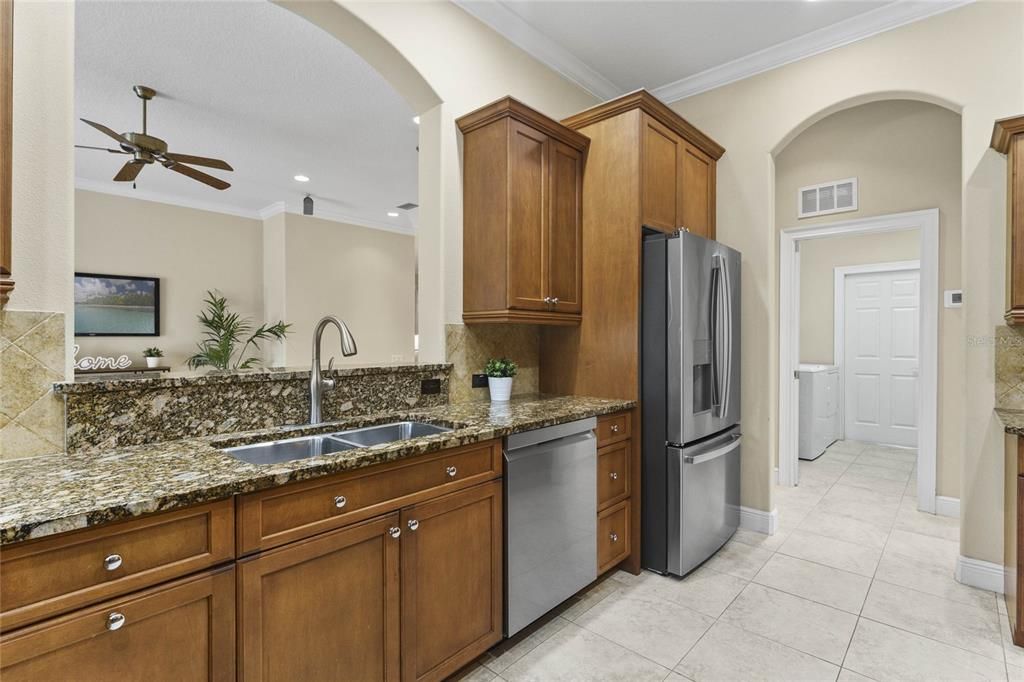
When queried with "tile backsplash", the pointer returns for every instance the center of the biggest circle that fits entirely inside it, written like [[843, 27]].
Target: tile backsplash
[[470, 346], [31, 360], [1010, 368]]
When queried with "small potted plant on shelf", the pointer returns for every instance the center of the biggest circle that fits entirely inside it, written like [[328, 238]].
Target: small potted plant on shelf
[[153, 356], [499, 373]]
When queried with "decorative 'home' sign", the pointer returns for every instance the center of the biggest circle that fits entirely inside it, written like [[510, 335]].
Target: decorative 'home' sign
[[99, 362]]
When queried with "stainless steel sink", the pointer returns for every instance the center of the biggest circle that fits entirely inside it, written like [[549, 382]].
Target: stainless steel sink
[[287, 450], [389, 433], [314, 446]]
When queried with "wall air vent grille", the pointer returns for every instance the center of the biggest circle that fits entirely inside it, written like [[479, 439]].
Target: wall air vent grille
[[836, 196]]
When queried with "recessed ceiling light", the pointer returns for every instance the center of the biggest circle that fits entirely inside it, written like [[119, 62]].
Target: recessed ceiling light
[[392, 214], [301, 178], [416, 120]]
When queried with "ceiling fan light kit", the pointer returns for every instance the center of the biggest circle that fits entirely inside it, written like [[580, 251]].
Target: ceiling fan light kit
[[146, 149]]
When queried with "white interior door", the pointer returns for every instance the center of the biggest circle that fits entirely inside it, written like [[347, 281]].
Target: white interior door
[[881, 356]]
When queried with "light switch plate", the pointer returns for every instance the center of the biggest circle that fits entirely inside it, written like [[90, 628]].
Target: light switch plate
[[954, 298]]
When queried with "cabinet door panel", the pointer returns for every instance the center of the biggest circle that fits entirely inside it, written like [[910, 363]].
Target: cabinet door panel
[[565, 262], [451, 581], [181, 631], [697, 192], [326, 608], [528, 216], [661, 151]]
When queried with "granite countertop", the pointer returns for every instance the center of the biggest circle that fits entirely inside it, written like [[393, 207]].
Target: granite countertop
[[47, 495], [1013, 420]]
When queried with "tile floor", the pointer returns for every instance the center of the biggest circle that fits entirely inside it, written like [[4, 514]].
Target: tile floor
[[857, 584]]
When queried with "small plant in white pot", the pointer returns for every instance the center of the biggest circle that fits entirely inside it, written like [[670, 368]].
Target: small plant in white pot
[[152, 356], [499, 373]]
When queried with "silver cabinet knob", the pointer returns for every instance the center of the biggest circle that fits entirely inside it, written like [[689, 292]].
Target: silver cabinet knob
[[615, 428], [413, 524], [340, 501], [547, 299], [451, 471], [394, 531], [115, 621], [614, 475], [554, 301], [113, 562], [614, 537]]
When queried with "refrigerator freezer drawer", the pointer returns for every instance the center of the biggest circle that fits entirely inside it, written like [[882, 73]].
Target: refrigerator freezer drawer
[[704, 504]]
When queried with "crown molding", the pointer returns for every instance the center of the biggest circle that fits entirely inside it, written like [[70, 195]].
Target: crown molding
[[161, 198], [851, 30], [336, 217], [522, 34], [271, 210]]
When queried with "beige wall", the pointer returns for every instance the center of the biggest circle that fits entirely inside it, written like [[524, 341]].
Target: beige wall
[[906, 156], [972, 59], [364, 276], [191, 251], [818, 260], [43, 150]]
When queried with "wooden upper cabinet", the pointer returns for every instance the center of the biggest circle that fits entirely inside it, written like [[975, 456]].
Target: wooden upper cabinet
[[1008, 138], [325, 608], [661, 181], [451, 581], [522, 216], [697, 191]]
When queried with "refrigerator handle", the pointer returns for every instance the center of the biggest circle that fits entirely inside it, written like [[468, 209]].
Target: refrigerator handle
[[727, 328], [721, 341], [714, 454]]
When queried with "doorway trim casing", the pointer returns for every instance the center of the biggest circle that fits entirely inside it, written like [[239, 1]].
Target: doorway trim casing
[[839, 317], [927, 222]]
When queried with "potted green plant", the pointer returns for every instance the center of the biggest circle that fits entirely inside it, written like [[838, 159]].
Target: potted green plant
[[499, 373], [228, 337], [152, 356]]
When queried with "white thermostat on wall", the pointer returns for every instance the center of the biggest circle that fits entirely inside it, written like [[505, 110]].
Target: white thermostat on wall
[[954, 298]]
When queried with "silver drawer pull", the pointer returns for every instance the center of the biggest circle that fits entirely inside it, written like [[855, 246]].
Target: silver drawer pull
[[451, 471], [615, 428], [413, 524], [554, 301], [614, 476], [115, 621], [394, 531], [340, 501], [113, 562], [614, 537]]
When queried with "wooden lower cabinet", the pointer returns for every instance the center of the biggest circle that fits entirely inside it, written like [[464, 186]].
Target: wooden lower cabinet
[[180, 631], [414, 595], [613, 536], [326, 608], [451, 581]]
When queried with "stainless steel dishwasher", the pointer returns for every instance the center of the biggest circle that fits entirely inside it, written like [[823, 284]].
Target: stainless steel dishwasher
[[550, 519]]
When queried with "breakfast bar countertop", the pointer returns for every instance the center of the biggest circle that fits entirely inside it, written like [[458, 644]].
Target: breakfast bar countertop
[[1013, 420], [53, 494]]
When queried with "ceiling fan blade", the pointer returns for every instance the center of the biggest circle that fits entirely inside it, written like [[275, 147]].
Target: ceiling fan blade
[[199, 175], [102, 149], [107, 131], [200, 161], [129, 171]]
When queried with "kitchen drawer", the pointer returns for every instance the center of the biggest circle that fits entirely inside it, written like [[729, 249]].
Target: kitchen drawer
[[184, 630], [613, 543], [613, 462], [54, 575], [613, 428], [271, 518]]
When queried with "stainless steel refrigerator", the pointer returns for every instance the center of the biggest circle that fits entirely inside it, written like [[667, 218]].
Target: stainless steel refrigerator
[[690, 389]]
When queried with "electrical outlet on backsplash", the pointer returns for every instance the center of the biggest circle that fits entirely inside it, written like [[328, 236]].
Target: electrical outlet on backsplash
[[1009, 374]]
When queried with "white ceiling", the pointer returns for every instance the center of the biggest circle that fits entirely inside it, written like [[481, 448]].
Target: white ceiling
[[255, 85], [677, 48]]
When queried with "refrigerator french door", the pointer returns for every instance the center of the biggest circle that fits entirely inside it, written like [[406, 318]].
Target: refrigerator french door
[[690, 386]]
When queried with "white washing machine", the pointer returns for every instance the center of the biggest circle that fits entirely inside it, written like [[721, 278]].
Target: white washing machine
[[819, 409]]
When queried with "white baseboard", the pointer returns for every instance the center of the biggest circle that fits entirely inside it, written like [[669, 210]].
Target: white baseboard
[[759, 521], [984, 575], [947, 506]]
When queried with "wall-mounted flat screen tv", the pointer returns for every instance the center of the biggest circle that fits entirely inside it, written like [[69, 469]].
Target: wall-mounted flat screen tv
[[116, 305]]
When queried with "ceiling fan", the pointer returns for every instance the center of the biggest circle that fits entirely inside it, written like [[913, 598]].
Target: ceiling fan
[[146, 149]]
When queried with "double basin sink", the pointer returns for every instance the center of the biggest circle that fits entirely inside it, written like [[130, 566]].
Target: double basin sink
[[325, 444]]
